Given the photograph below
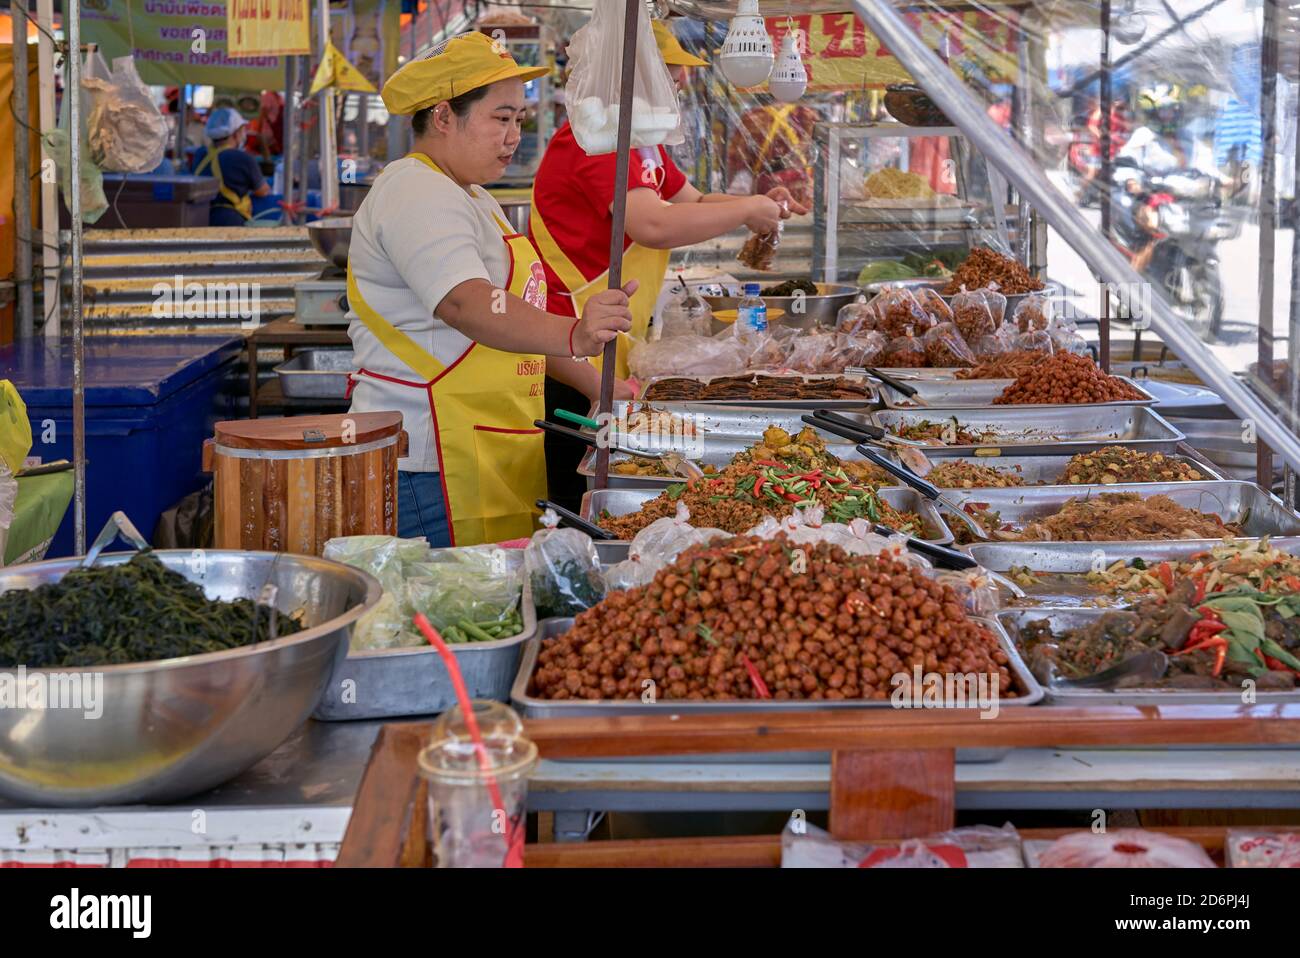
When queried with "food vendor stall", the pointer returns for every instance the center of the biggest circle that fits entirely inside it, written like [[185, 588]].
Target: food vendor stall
[[923, 556]]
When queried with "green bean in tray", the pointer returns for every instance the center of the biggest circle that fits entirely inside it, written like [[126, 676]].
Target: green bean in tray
[[488, 630]]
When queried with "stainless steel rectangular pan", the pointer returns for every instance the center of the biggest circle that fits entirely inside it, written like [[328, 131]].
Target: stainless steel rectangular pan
[[872, 397], [1060, 431], [980, 393], [1063, 619]]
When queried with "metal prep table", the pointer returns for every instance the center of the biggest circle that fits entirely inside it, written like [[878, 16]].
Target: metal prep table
[[301, 795]]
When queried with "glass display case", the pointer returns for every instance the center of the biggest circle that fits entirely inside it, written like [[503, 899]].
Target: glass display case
[[884, 190]]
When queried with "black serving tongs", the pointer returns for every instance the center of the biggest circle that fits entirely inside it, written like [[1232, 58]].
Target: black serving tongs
[[674, 462], [1150, 666], [576, 521]]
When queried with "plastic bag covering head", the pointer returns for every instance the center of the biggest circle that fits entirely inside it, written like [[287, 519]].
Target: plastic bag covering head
[[125, 130], [595, 82], [15, 427], [461, 64], [223, 122]]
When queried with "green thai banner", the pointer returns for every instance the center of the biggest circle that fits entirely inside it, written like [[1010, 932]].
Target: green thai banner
[[185, 41]]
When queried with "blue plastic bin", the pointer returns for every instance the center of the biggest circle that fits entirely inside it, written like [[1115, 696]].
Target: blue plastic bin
[[151, 401]]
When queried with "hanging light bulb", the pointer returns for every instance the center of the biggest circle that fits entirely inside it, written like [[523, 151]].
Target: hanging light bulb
[[1129, 26], [789, 78], [746, 58]]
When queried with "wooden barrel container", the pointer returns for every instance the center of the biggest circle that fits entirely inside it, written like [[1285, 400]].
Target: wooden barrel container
[[290, 485]]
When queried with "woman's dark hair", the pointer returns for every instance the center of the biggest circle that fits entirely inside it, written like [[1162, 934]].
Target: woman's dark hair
[[459, 105]]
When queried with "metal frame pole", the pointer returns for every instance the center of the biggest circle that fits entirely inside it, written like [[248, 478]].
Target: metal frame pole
[[182, 121], [22, 175], [329, 166], [1104, 97], [289, 120], [50, 260], [72, 23], [1023, 171], [635, 9], [1267, 220], [1291, 392]]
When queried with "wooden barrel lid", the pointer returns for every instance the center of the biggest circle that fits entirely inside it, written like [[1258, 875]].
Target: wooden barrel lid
[[308, 432]]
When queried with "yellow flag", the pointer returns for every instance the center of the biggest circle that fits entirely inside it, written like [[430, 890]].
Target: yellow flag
[[334, 70]]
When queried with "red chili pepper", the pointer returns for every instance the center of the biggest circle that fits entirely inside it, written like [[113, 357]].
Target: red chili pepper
[[768, 462], [1200, 591], [1218, 643], [793, 496], [1292, 582], [1166, 574], [1208, 612], [760, 687], [758, 485], [816, 483], [1203, 630], [836, 480], [1220, 654]]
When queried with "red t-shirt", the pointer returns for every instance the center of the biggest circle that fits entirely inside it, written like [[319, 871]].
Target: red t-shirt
[[574, 192]]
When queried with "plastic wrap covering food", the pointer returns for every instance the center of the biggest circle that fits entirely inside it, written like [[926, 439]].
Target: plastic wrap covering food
[[978, 593], [656, 546], [866, 349], [815, 353], [945, 347], [934, 304], [856, 537], [470, 594], [126, 131], [855, 318], [592, 91], [759, 251], [1033, 312], [973, 313], [563, 570], [719, 355], [899, 310], [988, 348], [980, 846], [770, 350], [1035, 340], [1255, 848], [1123, 848], [685, 314], [905, 350], [389, 559]]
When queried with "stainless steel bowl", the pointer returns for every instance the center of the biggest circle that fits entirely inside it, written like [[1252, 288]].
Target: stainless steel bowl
[[820, 310], [176, 727], [330, 237]]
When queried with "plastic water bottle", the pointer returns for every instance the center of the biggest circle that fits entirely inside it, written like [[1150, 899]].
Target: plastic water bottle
[[751, 314]]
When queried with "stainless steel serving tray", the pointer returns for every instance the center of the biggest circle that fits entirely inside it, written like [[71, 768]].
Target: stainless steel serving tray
[[1061, 619], [1046, 470], [714, 419], [980, 393], [317, 374], [1023, 431], [1259, 513], [620, 502], [871, 399], [531, 707], [391, 683], [1065, 564]]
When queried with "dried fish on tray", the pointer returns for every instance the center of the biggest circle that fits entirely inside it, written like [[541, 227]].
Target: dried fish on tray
[[1023, 432], [762, 389]]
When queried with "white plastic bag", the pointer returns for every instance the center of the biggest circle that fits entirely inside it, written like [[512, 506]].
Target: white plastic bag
[[804, 845], [720, 355], [655, 547], [58, 144], [563, 570], [595, 81], [8, 499], [125, 130]]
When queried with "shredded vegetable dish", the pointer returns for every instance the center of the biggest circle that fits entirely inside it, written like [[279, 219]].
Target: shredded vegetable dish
[[1123, 515]]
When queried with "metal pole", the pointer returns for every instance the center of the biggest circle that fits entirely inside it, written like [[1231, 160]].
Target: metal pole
[[329, 165], [1104, 97], [182, 121], [635, 10], [1267, 220], [289, 119], [1024, 171], [72, 22], [22, 175], [1291, 391], [49, 187]]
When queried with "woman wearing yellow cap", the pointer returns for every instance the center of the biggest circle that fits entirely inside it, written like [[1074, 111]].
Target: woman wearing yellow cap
[[570, 221], [448, 304]]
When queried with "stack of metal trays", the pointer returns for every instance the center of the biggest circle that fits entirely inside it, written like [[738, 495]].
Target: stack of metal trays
[[1027, 431], [980, 393], [621, 502], [1257, 512]]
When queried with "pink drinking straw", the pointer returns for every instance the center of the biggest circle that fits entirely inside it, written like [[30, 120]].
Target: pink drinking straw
[[514, 835]]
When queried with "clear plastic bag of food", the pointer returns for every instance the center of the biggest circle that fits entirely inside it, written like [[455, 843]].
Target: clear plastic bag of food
[[988, 348], [973, 315], [759, 251], [997, 304], [563, 570], [384, 557], [595, 77], [387, 625], [934, 304], [944, 348], [470, 594], [656, 546], [898, 310], [904, 351], [863, 349], [1034, 340], [979, 846], [1123, 848], [1256, 848], [685, 314], [720, 355], [977, 592], [770, 350], [1070, 342], [814, 353], [1034, 312], [856, 318]]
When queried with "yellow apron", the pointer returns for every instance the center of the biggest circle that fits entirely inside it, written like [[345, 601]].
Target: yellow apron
[[646, 266], [483, 406], [243, 205]]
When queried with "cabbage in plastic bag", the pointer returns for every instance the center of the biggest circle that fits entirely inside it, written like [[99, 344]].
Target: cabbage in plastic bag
[[384, 557]]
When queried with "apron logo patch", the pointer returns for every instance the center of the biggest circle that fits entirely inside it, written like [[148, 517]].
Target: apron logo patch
[[535, 290]]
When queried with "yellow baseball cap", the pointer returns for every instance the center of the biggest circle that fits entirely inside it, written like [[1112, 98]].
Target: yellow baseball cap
[[463, 63], [671, 50]]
